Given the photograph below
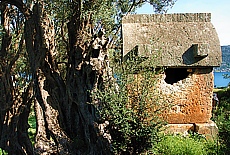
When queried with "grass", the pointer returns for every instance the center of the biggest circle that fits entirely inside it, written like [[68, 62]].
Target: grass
[[189, 145], [32, 129]]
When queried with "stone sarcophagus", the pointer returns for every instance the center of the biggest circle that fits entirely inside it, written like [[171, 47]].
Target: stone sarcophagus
[[187, 46]]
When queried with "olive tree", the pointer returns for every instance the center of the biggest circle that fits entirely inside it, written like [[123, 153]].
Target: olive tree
[[54, 54]]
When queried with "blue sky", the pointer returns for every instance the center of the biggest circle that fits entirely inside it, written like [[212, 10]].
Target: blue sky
[[220, 10]]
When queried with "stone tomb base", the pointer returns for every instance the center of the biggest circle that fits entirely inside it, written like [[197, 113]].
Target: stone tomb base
[[209, 130]]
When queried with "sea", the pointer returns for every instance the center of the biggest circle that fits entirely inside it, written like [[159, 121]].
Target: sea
[[219, 80]]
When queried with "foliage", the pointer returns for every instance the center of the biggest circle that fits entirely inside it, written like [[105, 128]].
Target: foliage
[[222, 118], [2, 152], [185, 145], [130, 105], [94, 16], [32, 124]]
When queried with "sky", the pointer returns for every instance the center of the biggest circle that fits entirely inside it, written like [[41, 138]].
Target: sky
[[219, 9]]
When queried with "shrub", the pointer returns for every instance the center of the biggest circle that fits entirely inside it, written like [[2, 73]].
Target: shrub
[[130, 106], [222, 118], [189, 145]]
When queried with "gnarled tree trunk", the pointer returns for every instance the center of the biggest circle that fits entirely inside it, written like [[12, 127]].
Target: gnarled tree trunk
[[66, 122], [14, 105]]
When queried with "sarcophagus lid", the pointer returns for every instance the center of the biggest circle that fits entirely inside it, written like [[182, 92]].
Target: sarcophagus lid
[[178, 40]]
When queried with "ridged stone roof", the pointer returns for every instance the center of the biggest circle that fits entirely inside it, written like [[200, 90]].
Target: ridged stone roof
[[178, 40]]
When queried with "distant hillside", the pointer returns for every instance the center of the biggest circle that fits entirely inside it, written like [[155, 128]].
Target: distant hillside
[[225, 66]]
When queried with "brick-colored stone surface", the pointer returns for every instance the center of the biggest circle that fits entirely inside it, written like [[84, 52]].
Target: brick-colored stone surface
[[175, 37], [179, 128], [190, 99], [209, 129]]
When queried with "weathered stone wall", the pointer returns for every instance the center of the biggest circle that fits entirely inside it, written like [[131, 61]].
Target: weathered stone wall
[[190, 98]]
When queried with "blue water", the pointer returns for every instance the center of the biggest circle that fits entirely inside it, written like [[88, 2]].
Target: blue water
[[219, 80]]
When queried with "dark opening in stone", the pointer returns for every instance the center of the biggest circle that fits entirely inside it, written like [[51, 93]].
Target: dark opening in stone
[[173, 75]]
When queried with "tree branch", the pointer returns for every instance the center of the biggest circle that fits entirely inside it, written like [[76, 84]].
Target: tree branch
[[134, 4], [20, 5]]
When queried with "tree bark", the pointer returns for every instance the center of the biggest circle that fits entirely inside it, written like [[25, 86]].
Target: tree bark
[[49, 88], [66, 113], [66, 122], [14, 105]]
